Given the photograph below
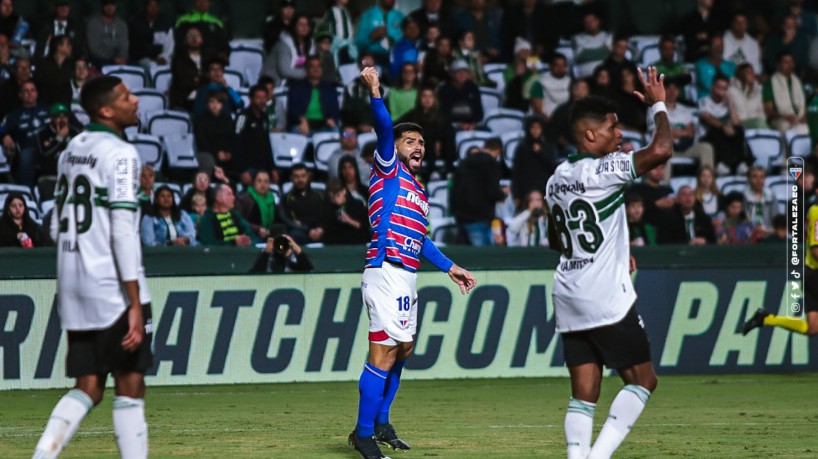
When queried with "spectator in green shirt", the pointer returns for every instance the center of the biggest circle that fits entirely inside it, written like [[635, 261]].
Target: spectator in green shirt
[[667, 64], [401, 99], [223, 225]]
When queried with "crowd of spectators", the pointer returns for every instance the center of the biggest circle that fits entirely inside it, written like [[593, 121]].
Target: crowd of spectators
[[731, 69]]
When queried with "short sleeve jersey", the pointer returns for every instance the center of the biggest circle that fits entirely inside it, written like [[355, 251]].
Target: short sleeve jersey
[[97, 172], [585, 198]]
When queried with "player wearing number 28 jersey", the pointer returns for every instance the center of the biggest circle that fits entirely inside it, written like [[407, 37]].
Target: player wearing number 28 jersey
[[103, 301], [593, 293]]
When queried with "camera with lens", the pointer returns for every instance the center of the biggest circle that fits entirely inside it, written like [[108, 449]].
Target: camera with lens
[[281, 245], [537, 212]]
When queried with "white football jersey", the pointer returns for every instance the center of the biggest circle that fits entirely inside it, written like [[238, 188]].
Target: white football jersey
[[97, 172], [585, 198]]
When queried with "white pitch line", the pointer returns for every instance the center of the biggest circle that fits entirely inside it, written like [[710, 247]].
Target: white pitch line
[[669, 424]]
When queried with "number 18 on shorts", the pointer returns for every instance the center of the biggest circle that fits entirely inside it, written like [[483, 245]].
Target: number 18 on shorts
[[390, 297]]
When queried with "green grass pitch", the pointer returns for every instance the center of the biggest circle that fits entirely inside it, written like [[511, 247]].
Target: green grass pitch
[[744, 416]]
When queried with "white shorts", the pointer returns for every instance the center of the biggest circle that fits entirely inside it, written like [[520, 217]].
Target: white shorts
[[390, 296]]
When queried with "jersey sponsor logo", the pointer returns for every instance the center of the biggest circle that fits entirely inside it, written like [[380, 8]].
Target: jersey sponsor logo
[[413, 197], [77, 160], [614, 165], [564, 188], [411, 245], [572, 265], [121, 178]]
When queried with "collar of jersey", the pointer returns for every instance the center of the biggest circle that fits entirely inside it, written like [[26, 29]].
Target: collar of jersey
[[574, 157], [96, 127]]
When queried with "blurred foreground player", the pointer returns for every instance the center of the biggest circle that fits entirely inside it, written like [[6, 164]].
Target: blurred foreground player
[[398, 207], [594, 298], [103, 301], [796, 324]]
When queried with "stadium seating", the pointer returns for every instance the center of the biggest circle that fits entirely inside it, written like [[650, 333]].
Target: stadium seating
[[348, 72], [490, 98], [466, 139], [677, 182], [798, 145], [133, 76], [149, 148], [500, 120], [166, 122], [437, 189], [366, 137], [766, 145], [150, 100], [511, 139], [438, 208], [248, 59], [181, 153], [288, 148], [494, 72], [6, 188], [444, 230], [80, 114], [730, 183], [637, 139], [234, 78], [781, 189], [244, 93], [5, 167], [160, 77], [324, 145]]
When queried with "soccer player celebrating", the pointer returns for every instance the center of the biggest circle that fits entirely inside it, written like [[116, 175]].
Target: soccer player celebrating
[[796, 324], [593, 293], [101, 292], [398, 206]]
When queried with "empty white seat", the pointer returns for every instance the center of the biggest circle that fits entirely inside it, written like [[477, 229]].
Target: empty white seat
[[490, 98], [150, 100], [160, 77], [288, 148], [133, 76], [466, 139], [180, 150], [324, 145], [234, 78], [149, 148], [766, 145], [249, 60], [348, 72], [511, 140], [166, 122], [500, 120]]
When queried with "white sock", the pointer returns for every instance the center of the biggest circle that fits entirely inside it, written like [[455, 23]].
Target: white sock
[[130, 428], [63, 423], [579, 427], [625, 410]]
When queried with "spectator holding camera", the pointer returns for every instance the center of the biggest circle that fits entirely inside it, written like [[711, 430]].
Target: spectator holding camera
[[528, 228], [281, 255], [223, 225], [53, 138], [168, 225]]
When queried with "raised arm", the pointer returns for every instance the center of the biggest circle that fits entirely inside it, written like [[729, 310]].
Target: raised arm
[[660, 148], [385, 154]]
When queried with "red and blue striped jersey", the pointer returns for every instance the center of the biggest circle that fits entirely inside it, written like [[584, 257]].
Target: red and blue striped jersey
[[398, 206]]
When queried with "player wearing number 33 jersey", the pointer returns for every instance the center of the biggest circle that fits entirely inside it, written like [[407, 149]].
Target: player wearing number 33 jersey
[[585, 196], [98, 172]]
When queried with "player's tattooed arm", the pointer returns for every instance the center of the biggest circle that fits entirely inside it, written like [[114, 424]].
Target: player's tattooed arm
[[660, 148]]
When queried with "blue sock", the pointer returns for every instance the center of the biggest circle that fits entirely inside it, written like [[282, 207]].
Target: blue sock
[[371, 387], [391, 389]]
